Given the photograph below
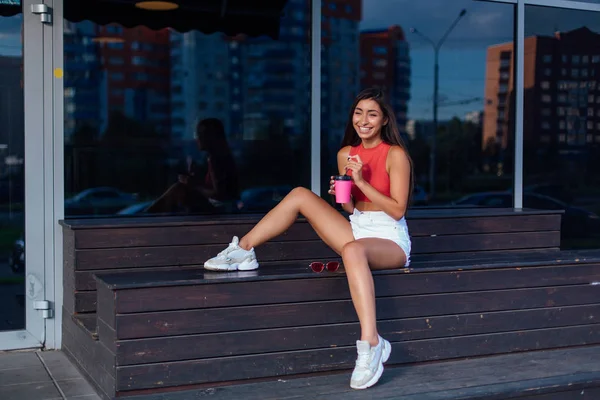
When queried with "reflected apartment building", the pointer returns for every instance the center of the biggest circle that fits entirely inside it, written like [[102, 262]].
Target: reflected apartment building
[[562, 95], [85, 100], [109, 68], [11, 110], [385, 63], [258, 86]]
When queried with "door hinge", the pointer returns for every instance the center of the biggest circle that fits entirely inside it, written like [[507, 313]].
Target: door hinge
[[43, 11], [45, 307]]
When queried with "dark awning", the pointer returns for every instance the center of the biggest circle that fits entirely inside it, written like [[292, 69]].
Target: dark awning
[[8, 8], [232, 17]]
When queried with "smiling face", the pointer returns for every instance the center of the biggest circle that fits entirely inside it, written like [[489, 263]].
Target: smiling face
[[368, 119]]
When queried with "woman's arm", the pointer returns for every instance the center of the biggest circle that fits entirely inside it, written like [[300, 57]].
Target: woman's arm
[[213, 190], [342, 160], [399, 171], [208, 185]]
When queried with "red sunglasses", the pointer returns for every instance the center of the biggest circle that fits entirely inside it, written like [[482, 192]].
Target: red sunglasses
[[331, 266]]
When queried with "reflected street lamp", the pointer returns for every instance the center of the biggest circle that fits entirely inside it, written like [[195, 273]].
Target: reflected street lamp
[[436, 50]]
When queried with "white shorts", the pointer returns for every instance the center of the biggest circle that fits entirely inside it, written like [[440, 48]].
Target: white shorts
[[377, 224]]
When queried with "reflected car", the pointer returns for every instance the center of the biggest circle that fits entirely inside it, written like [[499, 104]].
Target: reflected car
[[262, 199], [556, 191], [137, 208], [420, 196], [100, 200], [576, 222]]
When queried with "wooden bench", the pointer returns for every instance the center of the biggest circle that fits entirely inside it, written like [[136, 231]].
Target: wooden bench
[[144, 318], [96, 246]]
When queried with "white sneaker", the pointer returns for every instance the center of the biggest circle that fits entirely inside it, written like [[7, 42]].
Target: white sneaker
[[369, 364], [233, 258]]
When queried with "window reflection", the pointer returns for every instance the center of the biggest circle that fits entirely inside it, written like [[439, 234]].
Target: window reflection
[[137, 101], [378, 46], [562, 140], [12, 173]]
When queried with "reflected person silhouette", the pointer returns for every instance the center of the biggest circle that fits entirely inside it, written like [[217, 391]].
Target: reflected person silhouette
[[218, 190]]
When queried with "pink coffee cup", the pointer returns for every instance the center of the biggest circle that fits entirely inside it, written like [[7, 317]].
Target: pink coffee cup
[[342, 187]]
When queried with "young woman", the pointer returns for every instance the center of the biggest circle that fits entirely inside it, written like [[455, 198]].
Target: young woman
[[376, 237]]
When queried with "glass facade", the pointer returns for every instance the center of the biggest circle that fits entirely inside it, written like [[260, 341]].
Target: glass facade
[[562, 119], [166, 122], [159, 121], [162, 120], [470, 158], [12, 178]]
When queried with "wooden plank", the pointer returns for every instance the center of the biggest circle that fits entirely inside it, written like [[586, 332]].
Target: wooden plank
[[86, 280], [88, 323], [288, 363], [68, 270], [246, 342], [107, 336], [86, 299], [140, 325], [68, 250], [91, 358], [335, 287], [191, 255], [574, 394], [85, 302], [233, 219], [221, 234], [180, 235], [471, 225], [300, 270], [273, 251], [499, 377], [485, 242], [68, 297], [106, 305], [93, 350]]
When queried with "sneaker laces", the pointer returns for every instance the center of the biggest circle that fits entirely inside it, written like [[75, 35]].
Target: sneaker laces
[[363, 360], [228, 250]]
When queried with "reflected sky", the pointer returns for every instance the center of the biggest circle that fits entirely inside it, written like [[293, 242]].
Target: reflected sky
[[462, 57]]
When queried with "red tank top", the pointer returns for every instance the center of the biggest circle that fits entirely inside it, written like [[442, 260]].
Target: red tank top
[[374, 169]]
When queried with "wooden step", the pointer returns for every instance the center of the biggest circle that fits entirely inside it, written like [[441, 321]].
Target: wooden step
[[544, 375], [187, 329], [116, 245]]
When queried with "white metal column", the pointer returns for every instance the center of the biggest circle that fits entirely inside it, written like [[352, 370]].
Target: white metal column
[[568, 4], [519, 104], [34, 334], [315, 97], [54, 169]]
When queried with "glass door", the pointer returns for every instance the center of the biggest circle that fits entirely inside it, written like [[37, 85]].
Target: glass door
[[22, 277]]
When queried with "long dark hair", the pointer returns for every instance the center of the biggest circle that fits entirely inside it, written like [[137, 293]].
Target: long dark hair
[[390, 133], [210, 132]]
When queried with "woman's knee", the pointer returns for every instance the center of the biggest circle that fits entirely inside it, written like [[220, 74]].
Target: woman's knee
[[353, 250], [176, 188], [300, 193]]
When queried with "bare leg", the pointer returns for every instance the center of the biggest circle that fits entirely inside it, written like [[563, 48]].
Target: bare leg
[[336, 232], [329, 224], [169, 200], [180, 196], [358, 255]]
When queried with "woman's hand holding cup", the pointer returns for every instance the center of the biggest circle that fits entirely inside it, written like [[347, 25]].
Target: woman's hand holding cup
[[332, 185], [342, 188]]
